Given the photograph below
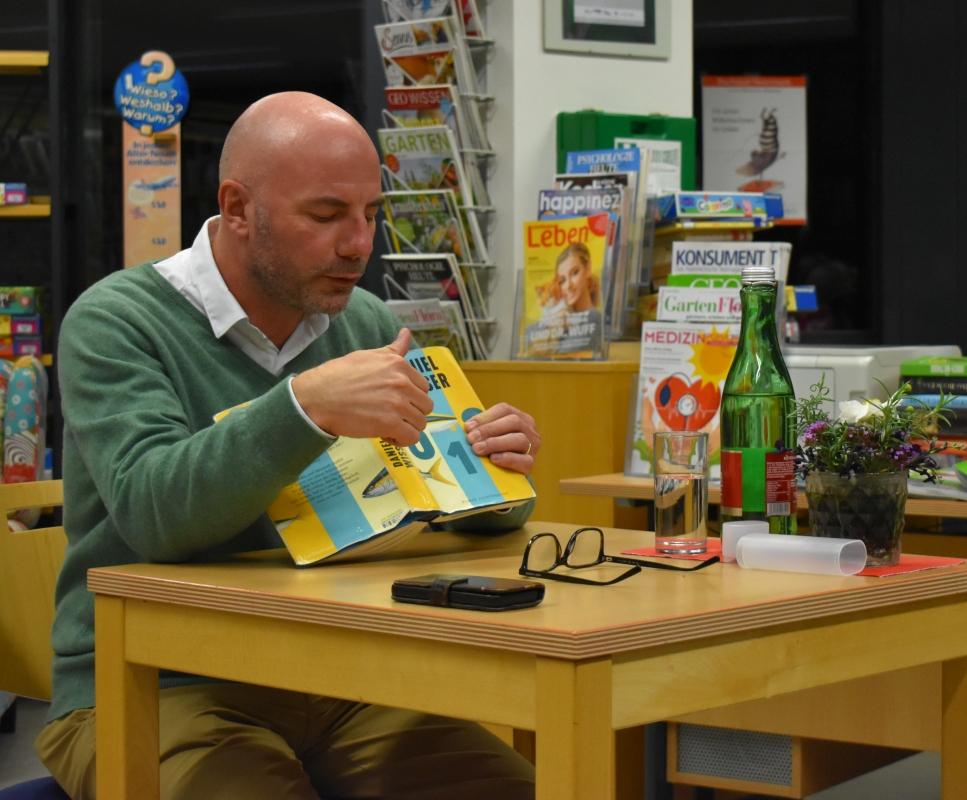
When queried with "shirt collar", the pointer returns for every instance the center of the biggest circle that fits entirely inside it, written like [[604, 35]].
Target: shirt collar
[[220, 306]]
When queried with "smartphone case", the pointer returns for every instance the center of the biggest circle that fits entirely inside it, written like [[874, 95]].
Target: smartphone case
[[468, 591]]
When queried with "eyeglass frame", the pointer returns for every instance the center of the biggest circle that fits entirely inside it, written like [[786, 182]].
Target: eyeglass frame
[[603, 558]]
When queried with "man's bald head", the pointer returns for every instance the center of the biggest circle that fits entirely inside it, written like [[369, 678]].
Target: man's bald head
[[280, 126]]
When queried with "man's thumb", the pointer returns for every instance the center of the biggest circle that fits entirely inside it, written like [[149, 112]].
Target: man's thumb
[[401, 344]]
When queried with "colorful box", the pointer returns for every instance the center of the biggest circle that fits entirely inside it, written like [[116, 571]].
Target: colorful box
[[14, 346], [13, 194], [20, 300], [20, 325], [751, 206]]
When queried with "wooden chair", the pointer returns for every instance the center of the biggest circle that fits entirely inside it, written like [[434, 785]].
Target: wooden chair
[[29, 563]]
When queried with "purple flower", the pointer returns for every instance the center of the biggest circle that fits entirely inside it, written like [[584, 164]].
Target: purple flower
[[905, 455], [813, 431]]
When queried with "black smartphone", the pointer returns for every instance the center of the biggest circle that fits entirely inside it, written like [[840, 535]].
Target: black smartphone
[[474, 592]]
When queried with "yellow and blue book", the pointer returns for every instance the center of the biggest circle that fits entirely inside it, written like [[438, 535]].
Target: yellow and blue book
[[364, 496]]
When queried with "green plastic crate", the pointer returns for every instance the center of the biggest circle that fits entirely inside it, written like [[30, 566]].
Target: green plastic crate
[[596, 130]]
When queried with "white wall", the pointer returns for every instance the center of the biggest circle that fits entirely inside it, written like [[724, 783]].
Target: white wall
[[530, 87]]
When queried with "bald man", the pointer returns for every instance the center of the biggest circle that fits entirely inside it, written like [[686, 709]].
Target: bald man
[[263, 308]]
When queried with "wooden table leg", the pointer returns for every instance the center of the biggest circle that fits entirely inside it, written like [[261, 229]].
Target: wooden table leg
[[127, 711], [575, 739]]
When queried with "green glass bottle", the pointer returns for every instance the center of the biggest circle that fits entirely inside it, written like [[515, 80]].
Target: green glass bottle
[[758, 428]]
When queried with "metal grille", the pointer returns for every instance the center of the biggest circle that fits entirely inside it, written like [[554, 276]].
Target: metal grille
[[740, 755]]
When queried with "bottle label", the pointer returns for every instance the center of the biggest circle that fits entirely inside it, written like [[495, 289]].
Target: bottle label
[[731, 462], [744, 480], [780, 483]]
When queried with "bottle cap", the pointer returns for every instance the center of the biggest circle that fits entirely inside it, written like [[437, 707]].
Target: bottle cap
[[758, 274]]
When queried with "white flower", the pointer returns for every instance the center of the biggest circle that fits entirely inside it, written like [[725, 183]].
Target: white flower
[[851, 411]]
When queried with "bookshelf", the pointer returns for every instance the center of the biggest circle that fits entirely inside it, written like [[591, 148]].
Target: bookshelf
[[37, 207], [23, 61]]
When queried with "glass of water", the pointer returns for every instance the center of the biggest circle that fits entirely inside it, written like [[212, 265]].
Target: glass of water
[[680, 467]]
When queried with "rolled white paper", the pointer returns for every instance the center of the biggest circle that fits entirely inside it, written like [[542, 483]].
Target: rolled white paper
[[818, 554], [733, 531]]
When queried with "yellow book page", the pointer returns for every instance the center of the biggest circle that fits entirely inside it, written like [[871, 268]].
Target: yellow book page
[[457, 477]]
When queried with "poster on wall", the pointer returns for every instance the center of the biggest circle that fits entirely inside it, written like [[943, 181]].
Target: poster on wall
[[629, 28], [754, 138], [152, 98]]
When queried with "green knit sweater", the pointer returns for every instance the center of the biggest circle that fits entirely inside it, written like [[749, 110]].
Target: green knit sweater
[[147, 475]]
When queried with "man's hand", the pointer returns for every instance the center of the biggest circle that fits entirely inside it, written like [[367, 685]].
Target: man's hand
[[367, 393], [507, 435]]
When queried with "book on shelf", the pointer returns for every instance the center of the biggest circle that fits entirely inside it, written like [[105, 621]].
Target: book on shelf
[[680, 380], [435, 323], [438, 276], [935, 367], [950, 385], [465, 12], [365, 496], [425, 52], [560, 312], [416, 159], [664, 162]]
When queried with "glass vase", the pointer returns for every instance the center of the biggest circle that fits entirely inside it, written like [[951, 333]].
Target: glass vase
[[866, 507]]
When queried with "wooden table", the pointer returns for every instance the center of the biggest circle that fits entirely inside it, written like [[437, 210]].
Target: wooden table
[[587, 662], [617, 484]]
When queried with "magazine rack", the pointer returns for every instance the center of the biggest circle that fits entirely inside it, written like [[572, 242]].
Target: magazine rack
[[459, 103]]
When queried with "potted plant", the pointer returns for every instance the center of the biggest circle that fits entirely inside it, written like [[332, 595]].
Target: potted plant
[[856, 465]]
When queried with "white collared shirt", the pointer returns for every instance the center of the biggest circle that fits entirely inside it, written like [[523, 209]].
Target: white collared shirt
[[194, 275]]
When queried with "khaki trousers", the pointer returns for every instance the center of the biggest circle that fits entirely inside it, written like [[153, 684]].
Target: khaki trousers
[[236, 742]]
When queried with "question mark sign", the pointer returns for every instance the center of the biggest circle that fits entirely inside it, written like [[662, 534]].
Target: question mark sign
[[167, 64]]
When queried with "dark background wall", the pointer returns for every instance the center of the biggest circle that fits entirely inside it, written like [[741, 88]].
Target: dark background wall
[[887, 158]]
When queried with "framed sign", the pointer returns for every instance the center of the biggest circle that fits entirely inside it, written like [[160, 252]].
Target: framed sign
[[631, 28]]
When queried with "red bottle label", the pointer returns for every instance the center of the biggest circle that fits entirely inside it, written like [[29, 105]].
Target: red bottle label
[[780, 484], [732, 482]]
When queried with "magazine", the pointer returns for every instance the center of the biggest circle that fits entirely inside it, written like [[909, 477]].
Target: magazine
[[438, 276], [634, 162], [565, 203], [425, 52], [703, 258], [434, 323], [698, 304], [468, 18], [420, 106], [423, 158], [560, 313], [624, 281], [680, 380], [364, 496], [424, 222]]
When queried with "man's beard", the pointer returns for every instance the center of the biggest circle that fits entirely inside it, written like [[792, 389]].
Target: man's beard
[[276, 276]]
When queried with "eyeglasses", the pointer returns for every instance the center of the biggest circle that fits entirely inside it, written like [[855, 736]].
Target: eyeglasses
[[584, 548]]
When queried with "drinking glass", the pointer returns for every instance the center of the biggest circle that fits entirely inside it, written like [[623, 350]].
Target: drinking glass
[[680, 467]]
